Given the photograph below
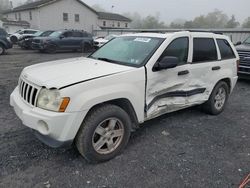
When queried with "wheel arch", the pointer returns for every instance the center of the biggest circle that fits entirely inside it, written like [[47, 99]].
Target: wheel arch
[[124, 104], [228, 82]]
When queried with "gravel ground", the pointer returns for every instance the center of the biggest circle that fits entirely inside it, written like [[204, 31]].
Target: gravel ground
[[182, 149]]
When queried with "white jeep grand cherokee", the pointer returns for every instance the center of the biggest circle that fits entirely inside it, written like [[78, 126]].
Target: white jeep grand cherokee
[[97, 101]]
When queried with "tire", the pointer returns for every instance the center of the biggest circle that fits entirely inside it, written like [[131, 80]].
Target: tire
[[14, 39], [2, 49], [93, 146], [85, 48], [217, 100], [51, 49]]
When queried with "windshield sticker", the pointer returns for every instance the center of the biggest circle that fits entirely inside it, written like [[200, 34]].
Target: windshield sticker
[[142, 40]]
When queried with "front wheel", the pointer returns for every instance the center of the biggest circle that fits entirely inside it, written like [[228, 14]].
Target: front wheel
[[218, 99], [104, 133], [2, 49]]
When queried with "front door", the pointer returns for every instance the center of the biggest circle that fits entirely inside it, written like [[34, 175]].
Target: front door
[[167, 90]]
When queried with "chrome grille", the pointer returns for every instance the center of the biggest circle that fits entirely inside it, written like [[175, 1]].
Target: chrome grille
[[28, 92], [244, 58]]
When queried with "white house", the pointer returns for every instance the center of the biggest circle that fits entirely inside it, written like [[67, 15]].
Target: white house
[[11, 26], [55, 15], [65, 14], [108, 20]]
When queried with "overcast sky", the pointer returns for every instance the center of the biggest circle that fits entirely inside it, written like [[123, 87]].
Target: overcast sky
[[170, 10]]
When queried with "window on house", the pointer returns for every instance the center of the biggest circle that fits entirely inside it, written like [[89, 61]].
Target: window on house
[[104, 23], [118, 24], [65, 17], [30, 14], [126, 25], [19, 16], [204, 50], [16, 16], [77, 18]]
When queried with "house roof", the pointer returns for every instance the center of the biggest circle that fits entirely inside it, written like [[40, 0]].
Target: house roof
[[112, 16], [38, 4], [16, 23]]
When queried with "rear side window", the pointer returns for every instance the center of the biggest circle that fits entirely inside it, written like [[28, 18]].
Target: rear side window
[[204, 50], [77, 34], [225, 49], [177, 48]]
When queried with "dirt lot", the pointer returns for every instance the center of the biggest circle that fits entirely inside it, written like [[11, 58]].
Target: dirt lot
[[182, 149]]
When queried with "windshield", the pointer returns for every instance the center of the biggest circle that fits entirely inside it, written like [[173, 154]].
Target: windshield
[[46, 33], [56, 34], [247, 41], [132, 51], [38, 33]]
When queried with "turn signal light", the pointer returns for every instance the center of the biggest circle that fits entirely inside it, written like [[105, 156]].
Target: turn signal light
[[64, 104]]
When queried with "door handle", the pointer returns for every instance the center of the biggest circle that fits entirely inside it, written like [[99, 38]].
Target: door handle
[[181, 73], [216, 68]]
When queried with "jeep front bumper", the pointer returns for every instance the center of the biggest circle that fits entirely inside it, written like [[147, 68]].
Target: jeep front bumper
[[52, 128]]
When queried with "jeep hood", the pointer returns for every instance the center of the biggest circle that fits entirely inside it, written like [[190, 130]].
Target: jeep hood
[[61, 73]]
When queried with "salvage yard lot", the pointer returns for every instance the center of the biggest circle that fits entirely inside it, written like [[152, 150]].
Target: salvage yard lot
[[182, 149]]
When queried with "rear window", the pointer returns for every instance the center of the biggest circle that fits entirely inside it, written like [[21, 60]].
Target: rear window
[[204, 50], [225, 49]]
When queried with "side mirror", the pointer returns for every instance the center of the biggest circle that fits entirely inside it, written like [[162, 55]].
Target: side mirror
[[238, 43], [167, 62], [61, 36]]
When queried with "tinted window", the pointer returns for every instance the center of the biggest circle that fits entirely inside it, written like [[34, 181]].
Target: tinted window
[[68, 34], [225, 49], [77, 34], [204, 50], [177, 48]]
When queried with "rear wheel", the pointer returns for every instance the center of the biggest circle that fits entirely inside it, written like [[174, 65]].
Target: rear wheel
[[2, 49], [85, 47], [218, 99], [104, 133]]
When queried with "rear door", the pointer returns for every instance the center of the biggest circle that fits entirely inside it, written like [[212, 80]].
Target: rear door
[[77, 39], [67, 41], [203, 65], [166, 90]]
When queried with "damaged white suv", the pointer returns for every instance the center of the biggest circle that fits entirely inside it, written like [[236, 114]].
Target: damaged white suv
[[97, 101]]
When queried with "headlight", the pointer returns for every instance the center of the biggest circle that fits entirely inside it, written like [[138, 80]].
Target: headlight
[[51, 100]]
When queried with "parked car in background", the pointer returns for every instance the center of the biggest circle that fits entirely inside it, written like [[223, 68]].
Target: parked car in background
[[4, 41], [99, 42], [243, 49], [96, 102], [15, 37], [26, 41], [64, 40]]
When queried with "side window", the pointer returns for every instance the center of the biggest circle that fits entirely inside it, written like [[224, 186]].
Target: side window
[[225, 49], [68, 34], [77, 34], [204, 50], [177, 48]]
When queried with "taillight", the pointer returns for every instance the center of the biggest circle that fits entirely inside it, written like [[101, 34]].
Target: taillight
[[238, 64]]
